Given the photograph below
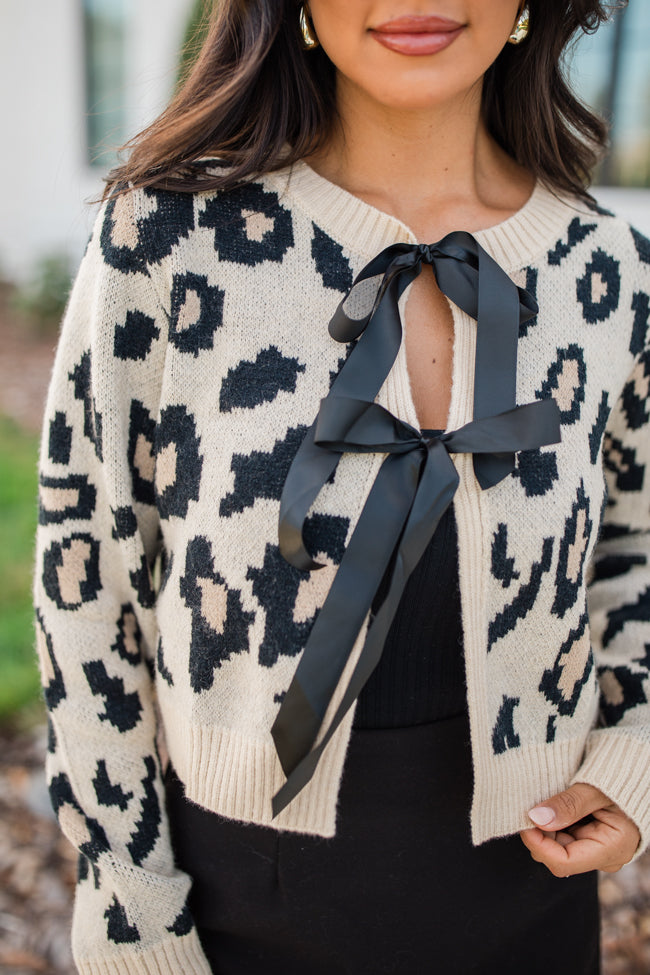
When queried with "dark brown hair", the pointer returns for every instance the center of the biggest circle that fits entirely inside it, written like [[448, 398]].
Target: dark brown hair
[[259, 101]]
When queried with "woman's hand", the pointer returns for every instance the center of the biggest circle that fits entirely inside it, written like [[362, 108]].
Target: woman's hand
[[580, 829]]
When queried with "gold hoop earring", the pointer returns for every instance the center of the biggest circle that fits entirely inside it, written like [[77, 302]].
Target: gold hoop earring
[[309, 39], [521, 28]]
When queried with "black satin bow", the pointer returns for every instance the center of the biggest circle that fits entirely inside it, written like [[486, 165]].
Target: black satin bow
[[415, 483]]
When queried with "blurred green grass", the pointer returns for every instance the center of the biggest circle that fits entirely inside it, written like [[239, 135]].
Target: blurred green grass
[[19, 683]]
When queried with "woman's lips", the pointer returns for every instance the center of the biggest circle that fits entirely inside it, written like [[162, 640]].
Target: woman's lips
[[417, 35]]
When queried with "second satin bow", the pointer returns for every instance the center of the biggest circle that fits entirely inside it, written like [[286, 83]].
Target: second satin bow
[[415, 483]]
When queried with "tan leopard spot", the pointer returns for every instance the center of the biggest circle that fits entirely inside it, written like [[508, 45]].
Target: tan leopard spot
[[130, 625], [190, 312], [166, 467], [611, 688], [72, 571], [313, 591], [125, 228], [214, 603], [567, 382], [258, 225], [576, 548], [73, 825], [47, 670], [143, 458], [573, 665], [616, 458], [58, 499], [598, 287], [641, 381]]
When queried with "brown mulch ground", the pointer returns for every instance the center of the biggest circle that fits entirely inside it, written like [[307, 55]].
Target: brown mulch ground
[[37, 866]]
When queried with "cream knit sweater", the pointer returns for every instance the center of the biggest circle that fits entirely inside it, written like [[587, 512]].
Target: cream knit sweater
[[193, 357]]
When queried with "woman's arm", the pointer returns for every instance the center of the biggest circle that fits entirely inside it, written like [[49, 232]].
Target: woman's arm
[[613, 783], [97, 542]]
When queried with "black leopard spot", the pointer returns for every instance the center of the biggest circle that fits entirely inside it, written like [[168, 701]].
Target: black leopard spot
[[333, 267], [503, 567], [250, 226], [118, 929], [178, 462], [130, 243], [81, 378], [196, 313], [109, 794], [251, 383], [508, 617], [142, 431], [562, 685], [71, 571], [576, 234], [147, 829], [122, 710], [573, 550], [620, 461], [291, 597], [641, 309], [62, 499], [126, 524], [134, 339], [129, 636], [60, 440], [565, 381], [504, 735], [51, 674], [219, 622], [636, 394], [537, 470], [261, 475], [598, 429], [599, 290]]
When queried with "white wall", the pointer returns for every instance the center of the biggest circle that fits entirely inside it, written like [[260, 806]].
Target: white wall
[[44, 175], [632, 205]]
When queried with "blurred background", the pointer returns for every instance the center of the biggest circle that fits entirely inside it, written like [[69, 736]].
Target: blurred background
[[77, 79]]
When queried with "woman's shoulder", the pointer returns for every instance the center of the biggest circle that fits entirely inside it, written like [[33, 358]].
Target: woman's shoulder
[[610, 227], [137, 228], [603, 238]]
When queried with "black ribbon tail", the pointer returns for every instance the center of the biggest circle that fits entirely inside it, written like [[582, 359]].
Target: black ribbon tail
[[343, 612]]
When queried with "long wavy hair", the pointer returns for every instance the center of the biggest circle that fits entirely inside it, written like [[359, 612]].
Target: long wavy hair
[[257, 100]]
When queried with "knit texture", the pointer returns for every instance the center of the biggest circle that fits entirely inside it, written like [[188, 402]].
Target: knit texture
[[193, 358]]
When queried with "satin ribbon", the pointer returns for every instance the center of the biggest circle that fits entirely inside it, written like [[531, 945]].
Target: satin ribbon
[[415, 483]]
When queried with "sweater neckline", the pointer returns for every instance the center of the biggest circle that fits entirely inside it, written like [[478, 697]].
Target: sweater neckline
[[514, 243]]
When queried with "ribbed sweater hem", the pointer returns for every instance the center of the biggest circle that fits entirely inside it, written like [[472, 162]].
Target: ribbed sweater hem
[[180, 955], [237, 777]]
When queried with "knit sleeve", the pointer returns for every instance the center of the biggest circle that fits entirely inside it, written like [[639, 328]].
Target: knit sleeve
[[95, 611], [617, 759]]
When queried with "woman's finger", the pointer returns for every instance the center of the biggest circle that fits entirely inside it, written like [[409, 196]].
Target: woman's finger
[[580, 856], [564, 838]]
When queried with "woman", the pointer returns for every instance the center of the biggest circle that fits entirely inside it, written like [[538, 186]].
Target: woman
[[293, 485]]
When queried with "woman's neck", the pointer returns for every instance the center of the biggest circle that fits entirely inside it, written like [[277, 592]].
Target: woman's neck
[[436, 170]]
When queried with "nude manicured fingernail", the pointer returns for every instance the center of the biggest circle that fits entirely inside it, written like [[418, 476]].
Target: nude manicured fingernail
[[542, 815]]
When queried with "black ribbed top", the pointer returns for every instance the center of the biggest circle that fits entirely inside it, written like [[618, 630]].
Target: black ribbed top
[[421, 675]]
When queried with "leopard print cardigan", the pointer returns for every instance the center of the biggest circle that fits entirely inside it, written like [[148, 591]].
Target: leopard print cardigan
[[192, 360]]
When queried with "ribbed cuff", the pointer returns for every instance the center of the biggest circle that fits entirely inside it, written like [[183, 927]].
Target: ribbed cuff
[[618, 764], [178, 956]]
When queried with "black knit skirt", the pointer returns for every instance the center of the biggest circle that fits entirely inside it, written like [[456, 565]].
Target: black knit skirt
[[399, 889]]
